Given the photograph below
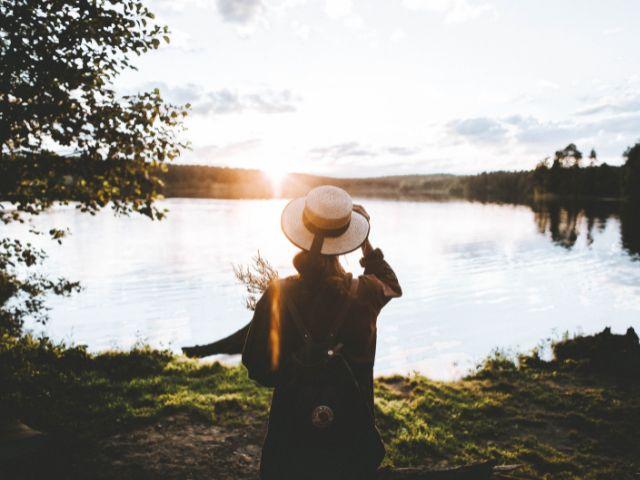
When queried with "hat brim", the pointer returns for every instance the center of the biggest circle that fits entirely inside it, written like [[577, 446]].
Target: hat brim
[[294, 229]]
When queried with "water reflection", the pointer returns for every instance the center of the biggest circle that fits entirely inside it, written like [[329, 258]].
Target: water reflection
[[565, 222], [475, 276], [630, 229]]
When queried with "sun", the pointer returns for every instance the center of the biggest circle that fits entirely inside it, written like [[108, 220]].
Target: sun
[[276, 176]]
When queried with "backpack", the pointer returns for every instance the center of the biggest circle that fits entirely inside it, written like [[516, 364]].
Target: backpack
[[328, 413]]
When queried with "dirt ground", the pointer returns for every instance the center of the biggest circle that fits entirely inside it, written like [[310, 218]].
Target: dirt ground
[[179, 447], [176, 447]]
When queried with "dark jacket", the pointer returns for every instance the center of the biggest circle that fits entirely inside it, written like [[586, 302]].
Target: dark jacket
[[273, 337]]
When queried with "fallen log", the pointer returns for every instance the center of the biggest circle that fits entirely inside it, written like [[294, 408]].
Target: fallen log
[[231, 345], [478, 471]]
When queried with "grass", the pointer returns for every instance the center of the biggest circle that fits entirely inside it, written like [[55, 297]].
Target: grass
[[558, 422], [69, 391], [560, 419]]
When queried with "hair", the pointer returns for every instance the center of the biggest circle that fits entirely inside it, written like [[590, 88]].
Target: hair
[[318, 271]]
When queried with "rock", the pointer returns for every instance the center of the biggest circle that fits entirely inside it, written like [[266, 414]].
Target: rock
[[605, 353]]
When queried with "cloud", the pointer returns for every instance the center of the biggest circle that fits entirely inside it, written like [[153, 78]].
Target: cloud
[[520, 120], [225, 101], [544, 84], [269, 101], [180, 5], [247, 15], [397, 36], [218, 152], [612, 31], [551, 132], [454, 11], [338, 8], [402, 151], [342, 150], [355, 149], [240, 12], [479, 129], [301, 30], [343, 12], [530, 136], [179, 94], [626, 104], [182, 42]]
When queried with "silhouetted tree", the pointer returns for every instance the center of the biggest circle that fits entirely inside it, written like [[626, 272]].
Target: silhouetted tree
[[569, 156], [541, 176], [593, 181], [632, 172], [555, 182], [58, 61]]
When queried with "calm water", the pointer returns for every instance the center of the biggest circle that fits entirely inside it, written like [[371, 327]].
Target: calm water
[[475, 276]]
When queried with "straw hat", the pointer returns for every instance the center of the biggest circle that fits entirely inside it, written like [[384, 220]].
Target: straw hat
[[324, 222]]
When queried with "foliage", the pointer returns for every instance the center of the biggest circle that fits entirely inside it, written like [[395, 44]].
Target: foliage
[[21, 298], [256, 277], [64, 133]]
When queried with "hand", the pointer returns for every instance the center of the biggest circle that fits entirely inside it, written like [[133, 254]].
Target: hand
[[366, 246], [360, 209]]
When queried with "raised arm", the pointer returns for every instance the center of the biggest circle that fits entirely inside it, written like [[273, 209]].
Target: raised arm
[[230, 345], [378, 284]]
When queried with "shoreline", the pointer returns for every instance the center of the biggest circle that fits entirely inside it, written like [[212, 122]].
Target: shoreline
[[427, 197], [233, 360]]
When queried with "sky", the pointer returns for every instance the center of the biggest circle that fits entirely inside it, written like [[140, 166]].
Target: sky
[[393, 87]]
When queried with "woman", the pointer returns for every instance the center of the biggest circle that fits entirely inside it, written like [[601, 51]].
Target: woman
[[313, 338]]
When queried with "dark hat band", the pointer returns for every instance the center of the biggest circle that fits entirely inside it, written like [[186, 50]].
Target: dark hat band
[[327, 232], [321, 233]]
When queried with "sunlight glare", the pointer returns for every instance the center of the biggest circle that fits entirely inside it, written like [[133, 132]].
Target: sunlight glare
[[276, 176]]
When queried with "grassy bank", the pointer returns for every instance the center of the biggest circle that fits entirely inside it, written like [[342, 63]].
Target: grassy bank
[[150, 414]]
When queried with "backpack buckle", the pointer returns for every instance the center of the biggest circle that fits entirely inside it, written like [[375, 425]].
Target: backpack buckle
[[322, 417], [335, 350]]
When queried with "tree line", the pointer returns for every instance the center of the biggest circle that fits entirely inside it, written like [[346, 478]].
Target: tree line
[[568, 175], [564, 176]]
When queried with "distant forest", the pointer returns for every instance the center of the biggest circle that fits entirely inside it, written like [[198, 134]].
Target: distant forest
[[567, 175], [223, 182], [564, 176]]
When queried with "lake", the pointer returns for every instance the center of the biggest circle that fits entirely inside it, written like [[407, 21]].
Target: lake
[[475, 276]]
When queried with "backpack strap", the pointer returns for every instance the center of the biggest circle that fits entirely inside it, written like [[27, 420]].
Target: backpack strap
[[297, 320], [337, 324], [302, 327]]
